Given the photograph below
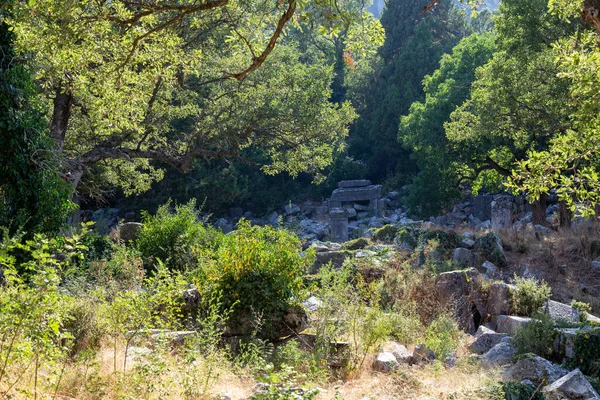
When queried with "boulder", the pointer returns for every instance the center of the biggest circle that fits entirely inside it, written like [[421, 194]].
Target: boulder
[[482, 207], [310, 227], [486, 339], [385, 362], [483, 329], [273, 219], [291, 209], [534, 368], [191, 299], [563, 347], [558, 311], [352, 213], [498, 301], [490, 270], [312, 304], [336, 258], [501, 354], [456, 287], [321, 247], [467, 243], [572, 386], [361, 207], [510, 324], [129, 231], [401, 353], [463, 257], [292, 322], [224, 225], [423, 353]]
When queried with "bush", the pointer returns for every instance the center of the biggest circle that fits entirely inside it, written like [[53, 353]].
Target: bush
[[174, 237], [515, 391], [259, 268], [98, 247], [84, 323], [587, 352], [536, 337], [406, 326], [583, 308], [443, 336], [124, 270], [529, 295]]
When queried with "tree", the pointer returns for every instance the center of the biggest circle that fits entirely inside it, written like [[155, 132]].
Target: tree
[[517, 103], [132, 81], [571, 162], [33, 197], [415, 42], [422, 130]]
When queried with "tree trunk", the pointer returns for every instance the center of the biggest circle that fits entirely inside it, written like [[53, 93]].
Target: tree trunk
[[538, 209], [60, 117], [565, 215]]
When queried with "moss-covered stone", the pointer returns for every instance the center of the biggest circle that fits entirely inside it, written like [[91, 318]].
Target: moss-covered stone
[[385, 234], [356, 244]]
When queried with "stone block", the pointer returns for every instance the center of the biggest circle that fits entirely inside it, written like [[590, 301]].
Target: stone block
[[482, 207], [534, 368], [354, 183], [385, 362], [572, 386], [338, 225], [366, 193], [510, 324], [502, 212]]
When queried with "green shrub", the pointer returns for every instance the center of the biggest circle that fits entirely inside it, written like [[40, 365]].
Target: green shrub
[[409, 236], [98, 247], [385, 234], [515, 391], [583, 308], [529, 295], [406, 326], [290, 354], [443, 336], [445, 242], [123, 271], [587, 352], [83, 322], [259, 268], [536, 336], [174, 237]]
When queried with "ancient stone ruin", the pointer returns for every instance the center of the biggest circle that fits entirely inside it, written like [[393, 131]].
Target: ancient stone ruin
[[347, 199]]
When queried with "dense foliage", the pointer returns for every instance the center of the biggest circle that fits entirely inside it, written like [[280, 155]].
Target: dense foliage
[[415, 42], [33, 197]]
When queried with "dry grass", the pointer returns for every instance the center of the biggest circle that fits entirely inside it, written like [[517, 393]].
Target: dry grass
[[562, 259], [427, 382]]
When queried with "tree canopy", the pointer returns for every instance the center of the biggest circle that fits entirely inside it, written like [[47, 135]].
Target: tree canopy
[[128, 82]]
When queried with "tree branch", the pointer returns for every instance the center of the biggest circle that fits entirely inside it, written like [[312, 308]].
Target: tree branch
[[258, 61]]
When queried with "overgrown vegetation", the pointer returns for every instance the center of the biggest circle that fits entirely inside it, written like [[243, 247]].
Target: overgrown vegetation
[[529, 295]]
